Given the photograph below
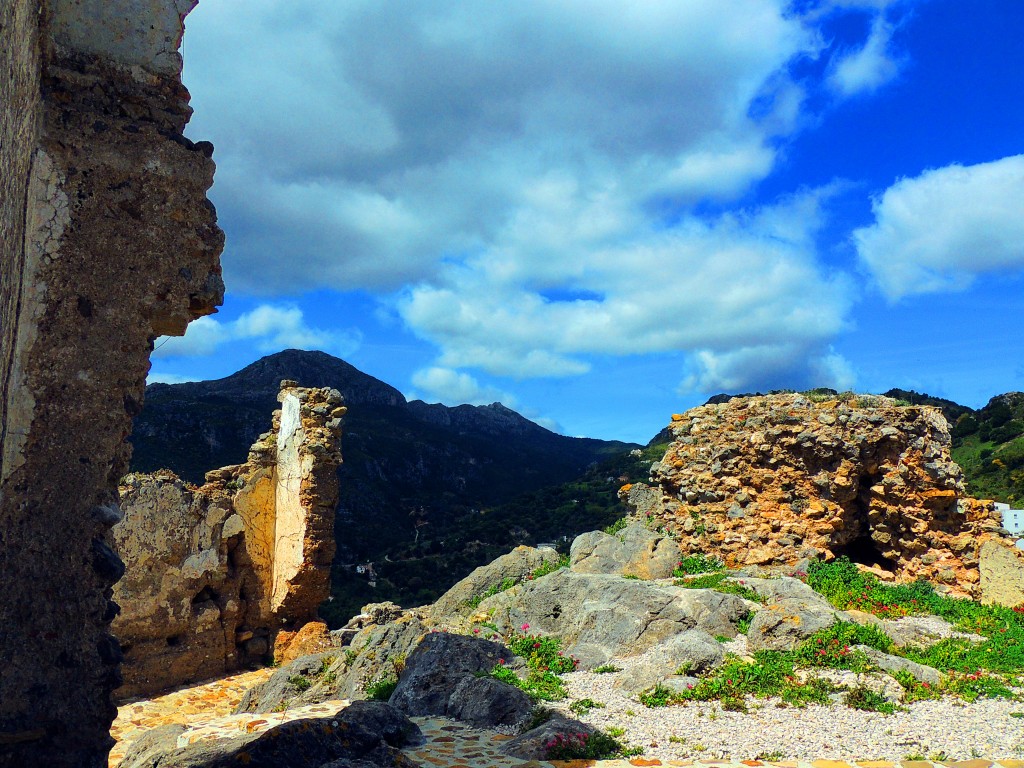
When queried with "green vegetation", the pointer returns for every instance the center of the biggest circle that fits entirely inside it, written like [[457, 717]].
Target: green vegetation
[[582, 706], [606, 669], [505, 585], [971, 670], [300, 682], [864, 698], [721, 583], [586, 746], [697, 563], [381, 690], [545, 663]]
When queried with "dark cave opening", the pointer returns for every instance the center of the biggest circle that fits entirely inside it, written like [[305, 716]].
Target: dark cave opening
[[863, 550]]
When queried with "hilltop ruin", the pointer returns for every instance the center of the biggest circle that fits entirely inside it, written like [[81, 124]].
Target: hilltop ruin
[[773, 480], [215, 573]]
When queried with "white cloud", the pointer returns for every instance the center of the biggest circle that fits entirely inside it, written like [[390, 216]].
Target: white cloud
[[270, 328], [869, 67], [771, 366], [169, 378], [742, 281], [453, 388], [433, 130], [938, 231], [524, 176]]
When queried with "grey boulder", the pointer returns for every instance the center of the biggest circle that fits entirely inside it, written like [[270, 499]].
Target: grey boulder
[[634, 551], [367, 732], [599, 616], [444, 677]]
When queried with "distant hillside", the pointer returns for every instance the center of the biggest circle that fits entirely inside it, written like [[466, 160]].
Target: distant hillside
[[989, 445], [414, 475]]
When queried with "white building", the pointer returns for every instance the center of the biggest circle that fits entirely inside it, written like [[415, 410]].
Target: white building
[[1013, 519]]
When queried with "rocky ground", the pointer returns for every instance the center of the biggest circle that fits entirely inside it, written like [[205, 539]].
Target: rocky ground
[[946, 729]]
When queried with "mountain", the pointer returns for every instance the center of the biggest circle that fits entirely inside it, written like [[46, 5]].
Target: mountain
[[415, 477], [989, 445]]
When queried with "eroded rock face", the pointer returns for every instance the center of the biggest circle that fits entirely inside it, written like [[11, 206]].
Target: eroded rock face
[[108, 241], [214, 573], [769, 481]]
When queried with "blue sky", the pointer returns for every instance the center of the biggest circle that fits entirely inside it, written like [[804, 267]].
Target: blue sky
[[602, 213]]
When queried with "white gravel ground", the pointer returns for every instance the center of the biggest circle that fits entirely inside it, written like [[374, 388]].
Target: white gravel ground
[[939, 730]]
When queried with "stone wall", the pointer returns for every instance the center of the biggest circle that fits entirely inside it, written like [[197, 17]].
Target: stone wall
[[773, 480], [214, 573], [108, 241]]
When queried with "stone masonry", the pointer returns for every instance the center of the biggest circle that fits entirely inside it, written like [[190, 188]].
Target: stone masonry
[[108, 241], [771, 480], [215, 573]]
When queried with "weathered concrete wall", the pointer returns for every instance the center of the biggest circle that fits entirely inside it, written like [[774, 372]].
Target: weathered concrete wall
[[108, 241], [215, 573]]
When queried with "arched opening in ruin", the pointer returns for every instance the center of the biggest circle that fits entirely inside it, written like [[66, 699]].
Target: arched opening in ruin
[[860, 547]]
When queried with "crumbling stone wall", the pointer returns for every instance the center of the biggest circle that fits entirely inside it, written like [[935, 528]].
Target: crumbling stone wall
[[108, 241], [767, 481], [215, 573]]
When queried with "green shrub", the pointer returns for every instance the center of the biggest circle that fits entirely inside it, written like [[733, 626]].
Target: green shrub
[[505, 585], [544, 570], [583, 746], [582, 706], [864, 698], [381, 689], [697, 563], [300, 682]]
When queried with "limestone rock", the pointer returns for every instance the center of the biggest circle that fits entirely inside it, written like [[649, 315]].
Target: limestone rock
[[375, 653], [599, 616], [783, 625], [517, 565], [767, 481], [214, 573], [921, 672], [634, 551], [364, 731], [440, 679], [693, 651], [1002, 574]]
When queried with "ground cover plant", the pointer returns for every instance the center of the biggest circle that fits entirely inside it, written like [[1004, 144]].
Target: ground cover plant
[[1000, 653], [970, 670], [545, 662]]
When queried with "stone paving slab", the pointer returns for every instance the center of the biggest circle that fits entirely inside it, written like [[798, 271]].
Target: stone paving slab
[[207, 709]]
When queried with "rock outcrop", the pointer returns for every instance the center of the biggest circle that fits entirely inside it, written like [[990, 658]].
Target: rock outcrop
[[1002, 573], [107, 241], [215, 573], [772, 480]]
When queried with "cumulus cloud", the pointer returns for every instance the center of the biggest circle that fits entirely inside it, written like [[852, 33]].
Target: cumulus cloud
[[869, 67], [742, 281], [771, 366], [454, 387], [431, 130], [525, 177], [269, 328], [938, 231]]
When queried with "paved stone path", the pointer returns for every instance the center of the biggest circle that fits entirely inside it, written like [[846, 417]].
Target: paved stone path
[[206, 709]]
